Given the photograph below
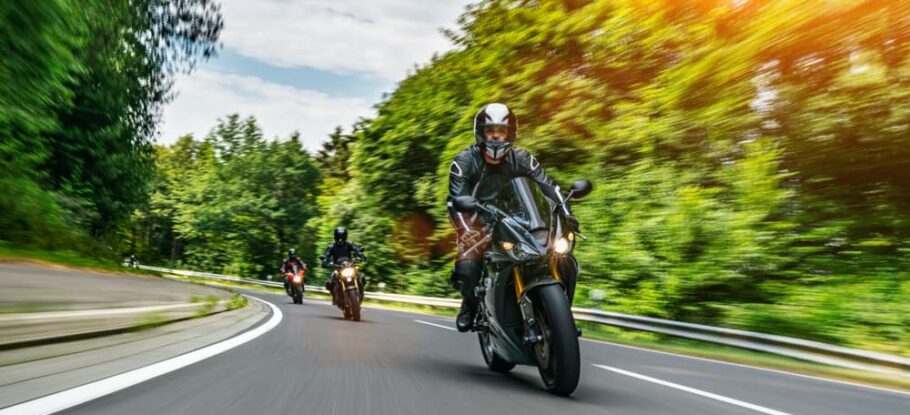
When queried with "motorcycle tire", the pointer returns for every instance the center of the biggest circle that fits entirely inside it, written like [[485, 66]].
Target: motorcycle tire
[[493, 360], [558, 357], [354, 302]]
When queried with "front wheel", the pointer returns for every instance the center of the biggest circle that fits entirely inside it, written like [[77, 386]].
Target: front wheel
[[354, 303], [558, 357]]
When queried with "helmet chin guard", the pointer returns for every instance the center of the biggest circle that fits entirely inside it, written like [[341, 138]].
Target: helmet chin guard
[[496, 150]]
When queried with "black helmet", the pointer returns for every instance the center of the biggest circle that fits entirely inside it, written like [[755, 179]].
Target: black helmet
[[341, 235], [292, 253], [490, 115]]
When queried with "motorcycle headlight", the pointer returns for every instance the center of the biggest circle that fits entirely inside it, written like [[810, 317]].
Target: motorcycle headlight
[[507, 246], [297, 279], [561, 246], [348, 272], [523, 251]]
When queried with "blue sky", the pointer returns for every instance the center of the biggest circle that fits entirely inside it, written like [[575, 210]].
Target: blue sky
[[303, 65]]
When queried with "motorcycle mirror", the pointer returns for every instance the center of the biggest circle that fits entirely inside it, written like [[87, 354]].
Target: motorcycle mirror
[[465, 204], [581, 188]]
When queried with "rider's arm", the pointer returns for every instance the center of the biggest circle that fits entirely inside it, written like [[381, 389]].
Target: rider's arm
[[529, 167], [460, 173], [327, 256], [357, 251]]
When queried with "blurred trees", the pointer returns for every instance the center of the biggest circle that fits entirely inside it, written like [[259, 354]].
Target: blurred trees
[[82, 85], [749, 158]]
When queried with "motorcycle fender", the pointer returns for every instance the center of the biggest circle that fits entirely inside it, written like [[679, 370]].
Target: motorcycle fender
[[531, 282]]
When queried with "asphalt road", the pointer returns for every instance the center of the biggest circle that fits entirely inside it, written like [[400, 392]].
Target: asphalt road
[[403, 363]]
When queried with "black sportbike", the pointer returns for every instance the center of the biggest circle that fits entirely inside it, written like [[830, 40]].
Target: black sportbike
[[348, 286], [528, 282]]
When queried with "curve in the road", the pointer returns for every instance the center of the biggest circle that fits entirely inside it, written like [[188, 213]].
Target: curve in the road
[[72, 397]]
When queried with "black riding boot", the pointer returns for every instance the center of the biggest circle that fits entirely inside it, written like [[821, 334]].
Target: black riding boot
[[330, 287], [464, 278], [467, 314]]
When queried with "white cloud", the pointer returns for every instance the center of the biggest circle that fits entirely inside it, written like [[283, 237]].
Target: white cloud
[[208, 95], [382, 39]]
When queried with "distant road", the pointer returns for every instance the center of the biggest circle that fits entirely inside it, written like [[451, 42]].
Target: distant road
[[25, 288], [403, 363]]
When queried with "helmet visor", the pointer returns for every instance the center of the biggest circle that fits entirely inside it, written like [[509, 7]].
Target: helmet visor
[[496, 131]]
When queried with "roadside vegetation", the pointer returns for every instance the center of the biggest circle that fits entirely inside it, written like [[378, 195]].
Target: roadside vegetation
[[751, 160]]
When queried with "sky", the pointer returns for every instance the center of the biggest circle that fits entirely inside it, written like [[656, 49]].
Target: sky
[[307, 65]]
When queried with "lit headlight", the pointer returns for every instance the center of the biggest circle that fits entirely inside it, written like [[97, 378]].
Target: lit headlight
[[561, 246], [297, 279], [508, 246], [347, 272]]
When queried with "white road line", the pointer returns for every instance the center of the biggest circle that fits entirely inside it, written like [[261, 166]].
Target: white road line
[[698, 392], [764, 369], [429, 324], [81, 394]]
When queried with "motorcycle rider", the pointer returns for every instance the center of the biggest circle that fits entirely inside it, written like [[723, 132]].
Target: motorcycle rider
[[288, 266], [339, 251], [481, 171]]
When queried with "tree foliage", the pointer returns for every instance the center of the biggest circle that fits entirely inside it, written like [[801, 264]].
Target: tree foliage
[[749, 158], [232, 203], [82, 85]]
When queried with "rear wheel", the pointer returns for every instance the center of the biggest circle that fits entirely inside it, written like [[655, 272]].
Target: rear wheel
[[557, 353], [494, 362]]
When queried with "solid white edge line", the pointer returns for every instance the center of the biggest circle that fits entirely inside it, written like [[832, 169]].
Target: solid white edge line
[[764, 369], [81, 394], [435, 325], [694, 391]]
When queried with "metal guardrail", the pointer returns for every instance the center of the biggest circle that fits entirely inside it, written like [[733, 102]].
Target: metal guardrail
[[786, 346]]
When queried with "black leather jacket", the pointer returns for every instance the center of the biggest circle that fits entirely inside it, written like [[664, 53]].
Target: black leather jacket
[[347, 250], [290, 262], [469, 174]]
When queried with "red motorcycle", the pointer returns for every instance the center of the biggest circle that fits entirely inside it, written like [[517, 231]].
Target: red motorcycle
[[296, 278]]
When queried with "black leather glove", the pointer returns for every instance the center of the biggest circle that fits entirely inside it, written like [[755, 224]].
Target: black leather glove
[[572, 222]]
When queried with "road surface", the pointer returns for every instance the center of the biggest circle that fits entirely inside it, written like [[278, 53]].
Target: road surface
[[404, 363]]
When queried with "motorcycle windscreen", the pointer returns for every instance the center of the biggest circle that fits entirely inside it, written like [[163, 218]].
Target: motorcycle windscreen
[[525, 202]]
